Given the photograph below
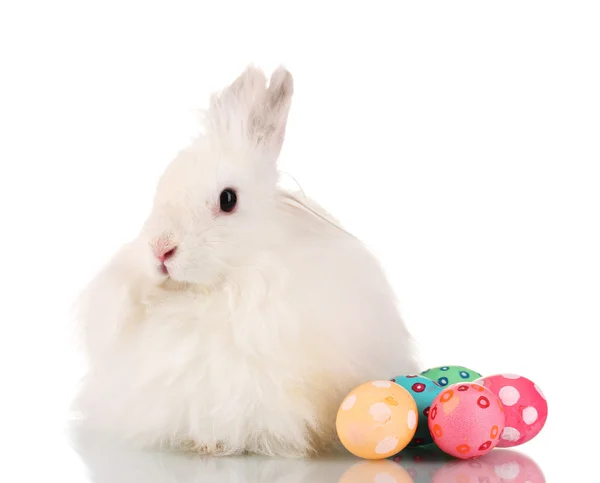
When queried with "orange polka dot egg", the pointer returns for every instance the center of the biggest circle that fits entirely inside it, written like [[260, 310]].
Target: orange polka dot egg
[[376, 420], [466, 420]]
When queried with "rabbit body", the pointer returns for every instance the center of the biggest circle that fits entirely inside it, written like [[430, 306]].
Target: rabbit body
[[248, 337]]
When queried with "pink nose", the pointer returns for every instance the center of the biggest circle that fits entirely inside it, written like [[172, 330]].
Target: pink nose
[[165, 254]]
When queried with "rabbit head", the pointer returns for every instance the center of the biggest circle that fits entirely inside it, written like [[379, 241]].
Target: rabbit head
[[215, 199]]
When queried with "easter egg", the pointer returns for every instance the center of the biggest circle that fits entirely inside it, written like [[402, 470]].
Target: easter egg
[[423, 391], [376, 471], [448, 375], [466, 420], [524, 404], [377, 420]]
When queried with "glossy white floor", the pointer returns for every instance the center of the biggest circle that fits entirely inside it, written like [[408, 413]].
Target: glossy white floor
[[103, 463], [89, 458]]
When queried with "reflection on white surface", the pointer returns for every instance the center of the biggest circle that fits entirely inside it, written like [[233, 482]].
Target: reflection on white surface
[[108, 462], [499, 466], [111, 463]]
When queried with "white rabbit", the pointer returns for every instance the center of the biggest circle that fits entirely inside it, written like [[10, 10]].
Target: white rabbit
[[240, 317]]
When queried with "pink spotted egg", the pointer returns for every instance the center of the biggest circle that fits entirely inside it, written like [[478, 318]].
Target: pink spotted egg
[[525, 406], [466, 420]]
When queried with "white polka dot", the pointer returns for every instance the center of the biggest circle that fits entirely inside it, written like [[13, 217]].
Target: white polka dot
[[511, 376], [540, 391], [382, 384], [349, 402], [509, 395], [510, 434], [412, 419], [386, 445], [530, 415], [507, 471], [380, 412], [384, 478]]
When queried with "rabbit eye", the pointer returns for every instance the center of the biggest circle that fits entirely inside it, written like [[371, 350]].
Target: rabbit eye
[[228, 200]]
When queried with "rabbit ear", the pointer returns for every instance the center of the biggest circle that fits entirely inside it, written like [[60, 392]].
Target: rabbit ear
[[273, 119], [250, 110], [248, 89]]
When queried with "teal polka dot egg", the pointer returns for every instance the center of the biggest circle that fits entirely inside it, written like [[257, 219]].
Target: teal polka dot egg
[[448, 375], [423, 391]]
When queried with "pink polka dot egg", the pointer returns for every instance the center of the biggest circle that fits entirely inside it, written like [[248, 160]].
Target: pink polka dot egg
[[466, 420], [525, 407]]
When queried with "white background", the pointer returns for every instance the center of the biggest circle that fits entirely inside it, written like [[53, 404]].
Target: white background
[[459, 140]]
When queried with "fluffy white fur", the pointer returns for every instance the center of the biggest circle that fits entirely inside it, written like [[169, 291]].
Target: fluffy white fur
[[268, 316]]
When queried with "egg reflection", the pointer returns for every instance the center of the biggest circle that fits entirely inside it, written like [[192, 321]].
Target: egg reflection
[[499, 466], [514, 467], [423, 462], [466, 471], [381, 471], [430, 465], [107, 461]]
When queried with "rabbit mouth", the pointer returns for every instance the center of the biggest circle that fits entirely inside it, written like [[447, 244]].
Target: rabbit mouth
[[170, 285]]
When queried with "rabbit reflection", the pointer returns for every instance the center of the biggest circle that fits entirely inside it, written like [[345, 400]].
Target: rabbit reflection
[[109, 462]]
